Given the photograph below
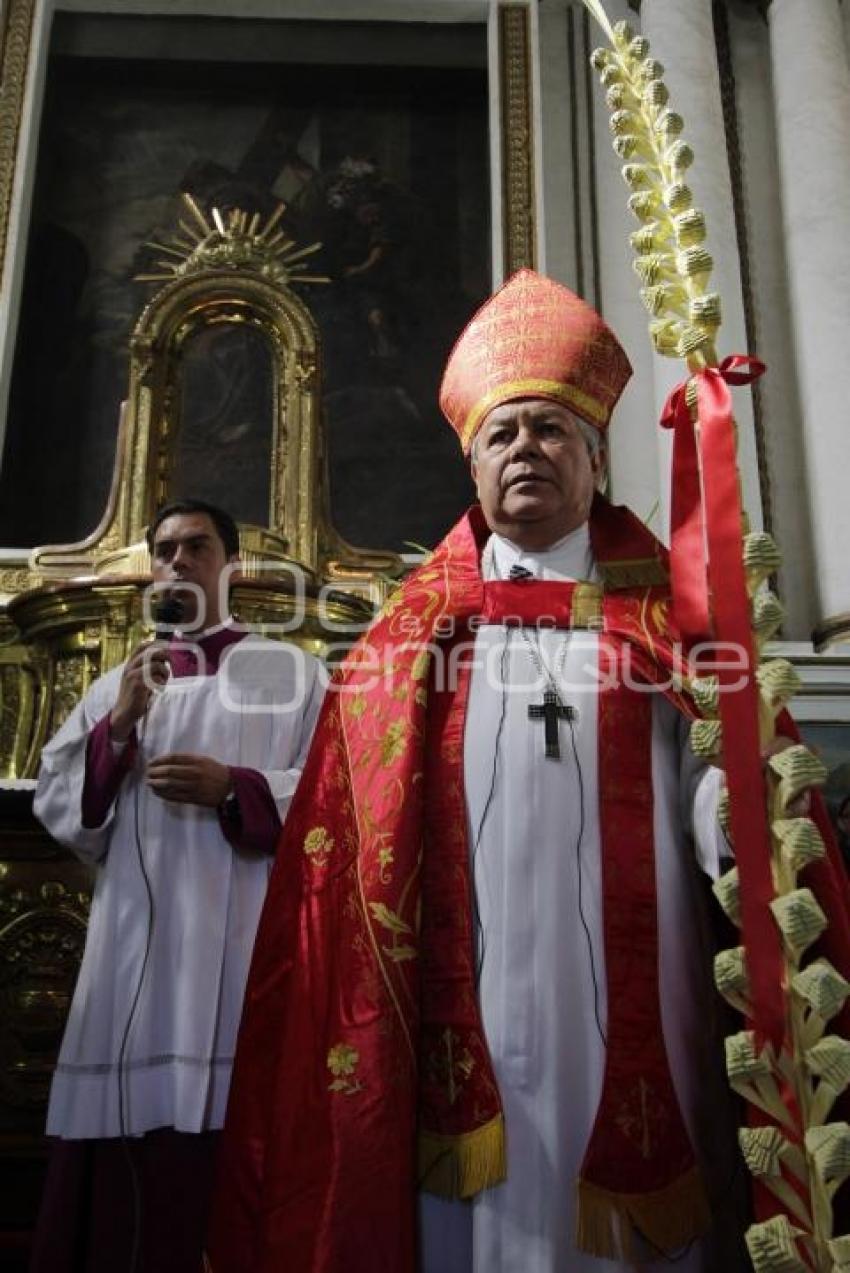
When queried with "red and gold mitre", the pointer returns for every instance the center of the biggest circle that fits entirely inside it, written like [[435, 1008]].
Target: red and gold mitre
[[533, 339]]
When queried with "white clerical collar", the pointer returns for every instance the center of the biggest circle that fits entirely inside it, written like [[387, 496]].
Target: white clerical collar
[[192, 635], [569, 558]]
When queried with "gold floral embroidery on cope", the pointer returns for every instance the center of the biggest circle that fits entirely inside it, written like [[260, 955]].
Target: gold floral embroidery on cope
[[392, 604], [342, 1062], [318, 846], [393, 742], [419, 670], [402, 933], [451, 1065], [659, 615], [356, 704], [386, 858]]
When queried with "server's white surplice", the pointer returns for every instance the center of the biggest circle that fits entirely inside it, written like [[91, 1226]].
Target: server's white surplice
[[171, 976]]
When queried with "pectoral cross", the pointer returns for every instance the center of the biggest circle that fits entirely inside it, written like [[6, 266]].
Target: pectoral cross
[[550, 711]]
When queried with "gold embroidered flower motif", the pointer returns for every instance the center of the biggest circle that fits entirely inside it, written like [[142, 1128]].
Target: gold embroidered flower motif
[[660, 617], [402, 934], [318, 845], [419, 668], [392, 603], [357, 704], [343, 1060], [393, 742]]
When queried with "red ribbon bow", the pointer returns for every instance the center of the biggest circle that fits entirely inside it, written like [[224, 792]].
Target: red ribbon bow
[[720, 477], [706, 518]]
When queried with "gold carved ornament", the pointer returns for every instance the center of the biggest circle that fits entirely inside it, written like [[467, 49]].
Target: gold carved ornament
[[80, 612], [517, 138], [16, 24], [234, 239], [42, 934]]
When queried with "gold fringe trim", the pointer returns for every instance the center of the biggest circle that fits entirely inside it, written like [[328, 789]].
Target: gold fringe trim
[[669, 1218], [460, 1166]]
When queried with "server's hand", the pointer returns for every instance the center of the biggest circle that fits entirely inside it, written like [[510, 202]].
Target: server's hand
[[146, 669], [189, 779]]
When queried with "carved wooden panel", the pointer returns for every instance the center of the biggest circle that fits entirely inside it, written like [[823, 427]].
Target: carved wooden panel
[[44, 902]]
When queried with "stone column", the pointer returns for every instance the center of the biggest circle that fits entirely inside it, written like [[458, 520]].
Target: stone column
[[811, 84], [681, 37]]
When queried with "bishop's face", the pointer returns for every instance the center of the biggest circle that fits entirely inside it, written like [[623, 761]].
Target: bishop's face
[[534, 473]]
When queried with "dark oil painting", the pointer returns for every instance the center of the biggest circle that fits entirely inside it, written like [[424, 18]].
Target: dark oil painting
[[383, 160]]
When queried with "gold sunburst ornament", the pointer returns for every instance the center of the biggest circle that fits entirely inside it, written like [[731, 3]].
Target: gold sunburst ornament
[[793, 1063], [233, 240]]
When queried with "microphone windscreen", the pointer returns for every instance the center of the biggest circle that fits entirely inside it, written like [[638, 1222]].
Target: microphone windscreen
[[167, 614]]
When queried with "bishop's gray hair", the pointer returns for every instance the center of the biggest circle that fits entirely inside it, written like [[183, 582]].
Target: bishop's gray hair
[[592, 436]]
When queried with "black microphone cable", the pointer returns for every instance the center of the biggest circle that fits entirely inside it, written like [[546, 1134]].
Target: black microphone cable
[[579, 865], [481, 937], [166, 615]]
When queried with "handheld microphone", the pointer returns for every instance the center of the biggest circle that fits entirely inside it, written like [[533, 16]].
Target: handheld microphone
[[166, 615]]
